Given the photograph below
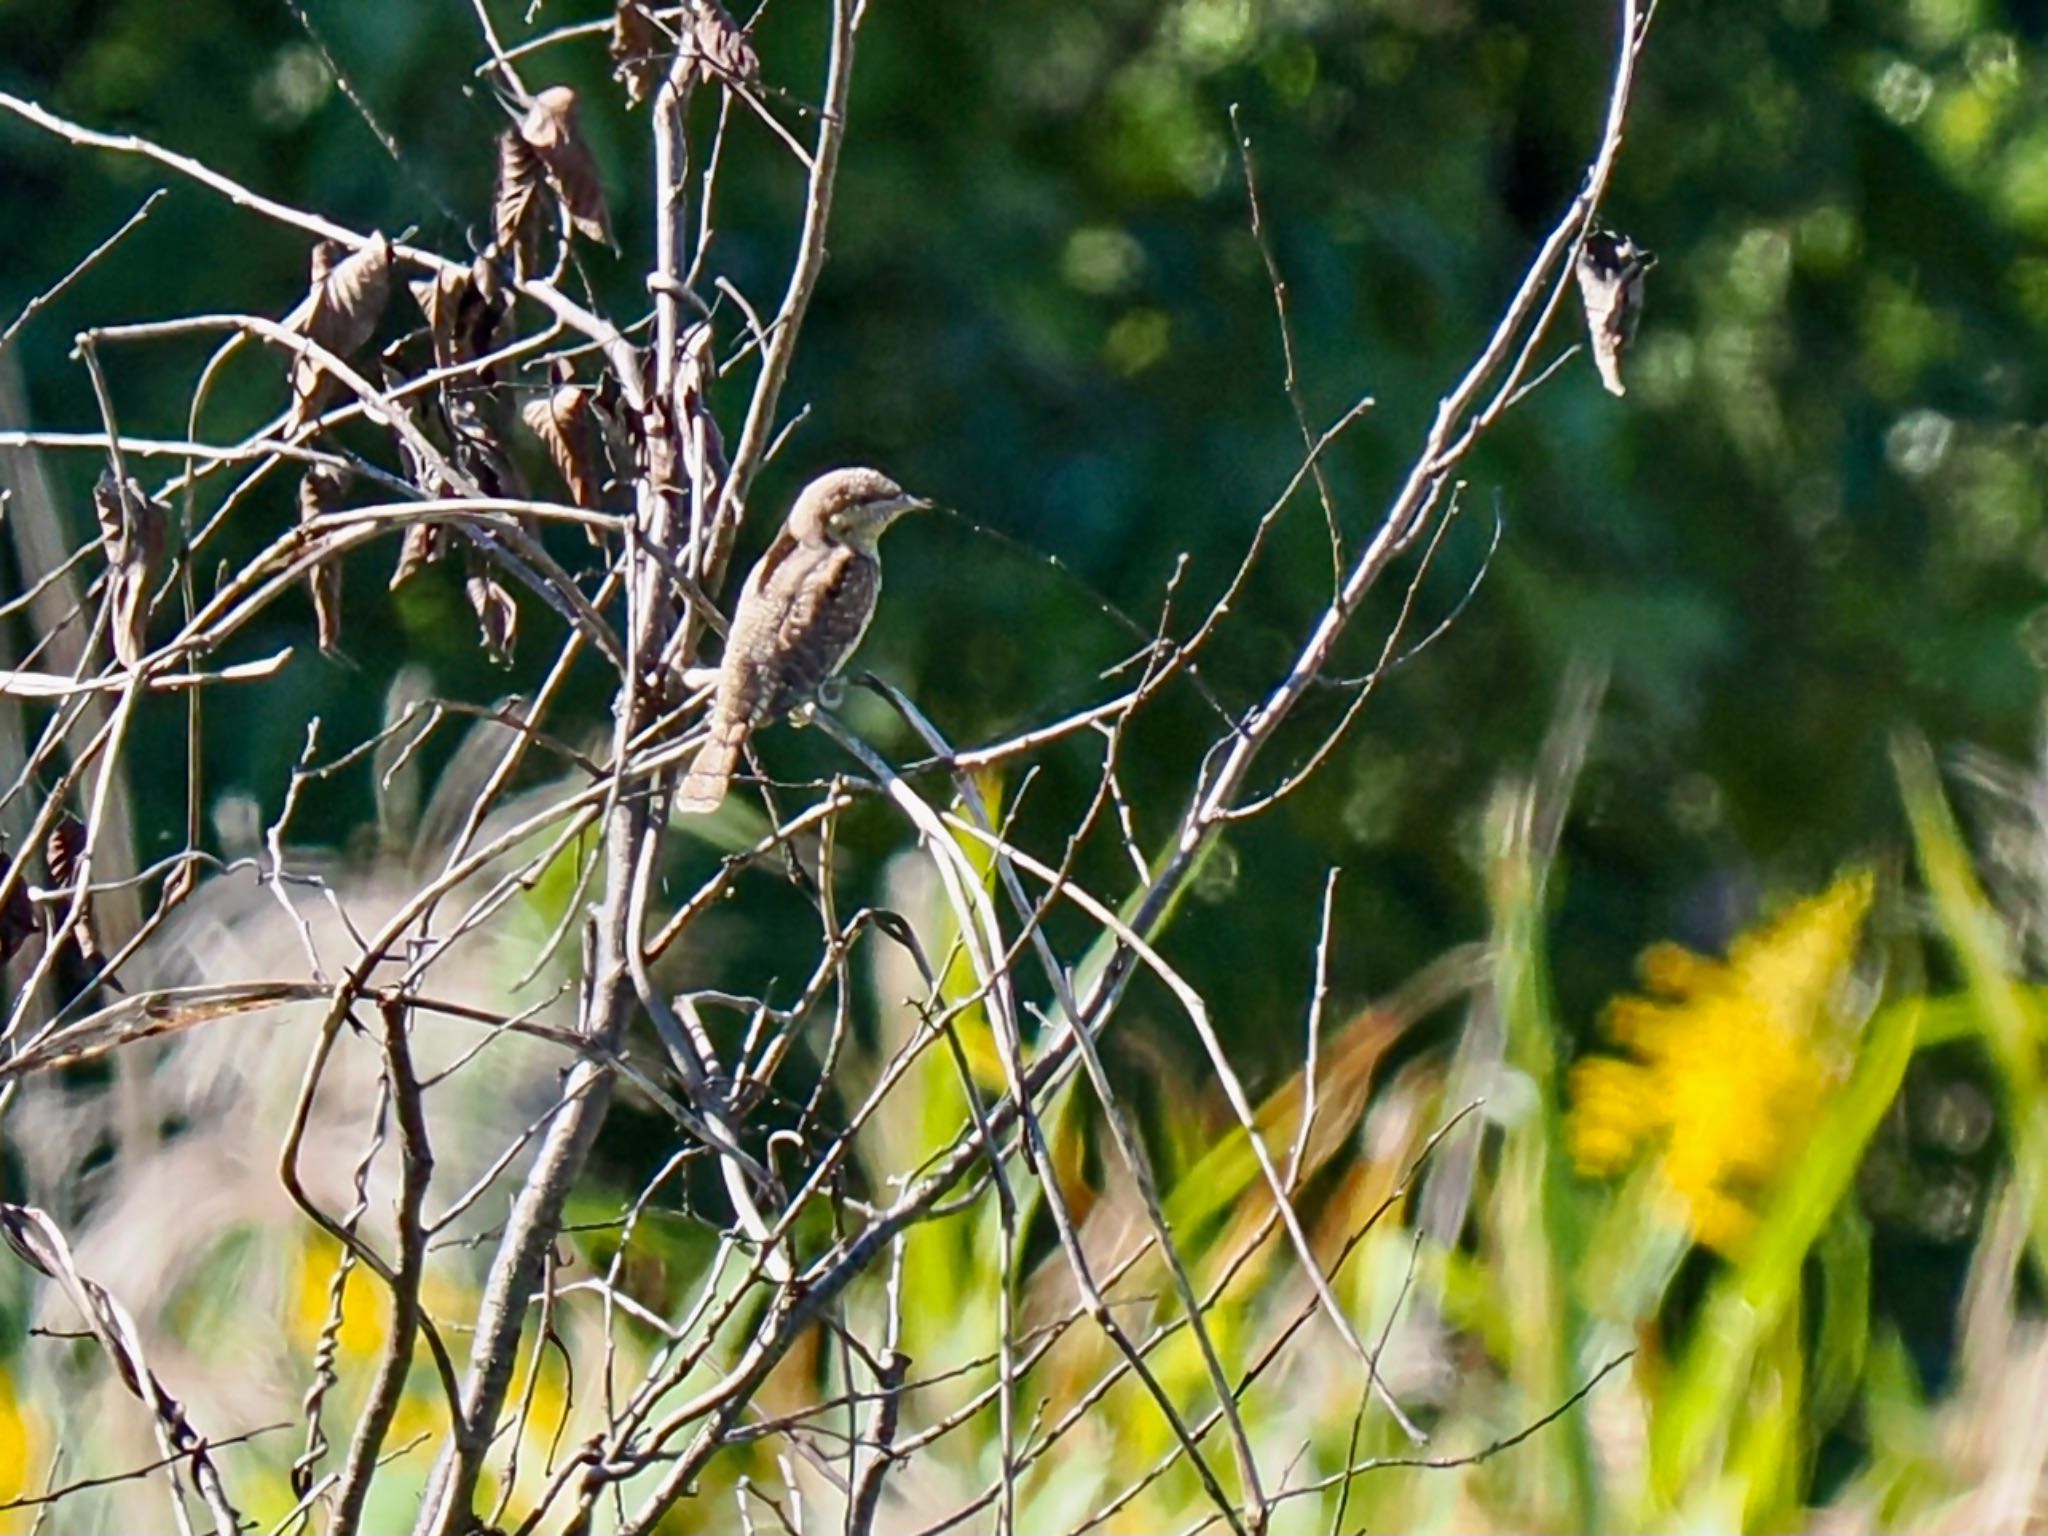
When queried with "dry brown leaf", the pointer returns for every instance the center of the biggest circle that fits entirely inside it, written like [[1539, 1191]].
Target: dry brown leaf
[[718, 48], [340, 313], [551, 130], [562, 421], [462, 321], [489, 283], [479, 307], [615, 429], [150, 1015], [513, 207], [423, 544], [479, 446], [497, 615], [18, 922], [638, 42], [439, 297], [714, 48], [61, 851], [1611, 268], [321, 491], [132, 529], [62, 848]]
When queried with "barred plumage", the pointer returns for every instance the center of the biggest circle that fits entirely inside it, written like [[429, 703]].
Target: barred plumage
[[801, 614]]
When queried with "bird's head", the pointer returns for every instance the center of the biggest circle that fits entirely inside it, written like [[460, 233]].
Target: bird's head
[[850, 506]]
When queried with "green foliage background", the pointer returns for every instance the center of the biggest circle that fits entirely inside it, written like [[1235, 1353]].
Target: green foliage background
[[1816, 517]]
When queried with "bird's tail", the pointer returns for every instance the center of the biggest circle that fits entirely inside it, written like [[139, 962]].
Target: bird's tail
[[703, 787]]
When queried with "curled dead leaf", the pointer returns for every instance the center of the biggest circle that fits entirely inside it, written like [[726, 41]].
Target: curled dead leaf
[[62, 850], [18, 922], [340, 313], [616, 425], [478, 446], [439, 297], [489, 282], [713, 48], [551, 130], [515, 205], [321, 491], [638, 42], [132, 532], [563, 422], [497, 615], [423, 544], [463, 310], [717, 48], [1611, 268]]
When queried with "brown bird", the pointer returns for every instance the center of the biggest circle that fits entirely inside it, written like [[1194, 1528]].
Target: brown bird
[[803, 609]]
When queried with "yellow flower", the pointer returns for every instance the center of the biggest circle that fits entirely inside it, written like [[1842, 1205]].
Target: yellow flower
[[365, 1305], [1728, 1061], [16, 1441]]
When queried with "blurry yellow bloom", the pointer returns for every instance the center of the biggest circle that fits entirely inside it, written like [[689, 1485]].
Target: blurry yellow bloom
[[364, 1307], [1728, 1061], [21, 1447]]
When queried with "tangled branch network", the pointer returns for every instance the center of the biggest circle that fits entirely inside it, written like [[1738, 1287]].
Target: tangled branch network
[[409, 1071]]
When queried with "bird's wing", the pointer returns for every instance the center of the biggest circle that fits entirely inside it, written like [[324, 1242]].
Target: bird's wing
[[827, 615], [747, 676], [779, 550]]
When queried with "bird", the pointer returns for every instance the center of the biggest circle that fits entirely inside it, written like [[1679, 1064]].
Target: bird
[[802, 611]]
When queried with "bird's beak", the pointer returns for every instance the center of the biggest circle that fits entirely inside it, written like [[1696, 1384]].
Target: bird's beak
[[880, 514]]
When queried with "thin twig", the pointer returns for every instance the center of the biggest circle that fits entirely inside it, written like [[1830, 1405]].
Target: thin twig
[[85, 264]]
